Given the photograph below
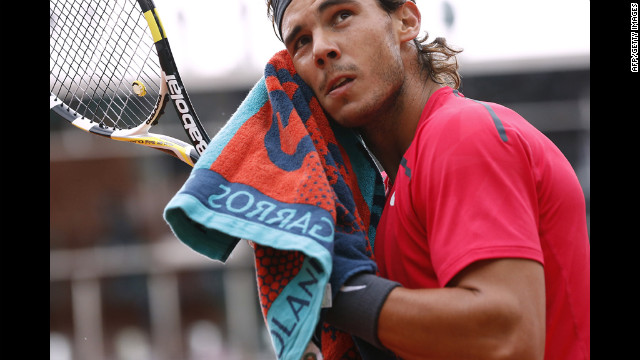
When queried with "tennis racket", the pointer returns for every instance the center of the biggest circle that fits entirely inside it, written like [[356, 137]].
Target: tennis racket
[[112, 73]]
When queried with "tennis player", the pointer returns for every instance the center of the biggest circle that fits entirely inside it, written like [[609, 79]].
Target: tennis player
[[482, 247]]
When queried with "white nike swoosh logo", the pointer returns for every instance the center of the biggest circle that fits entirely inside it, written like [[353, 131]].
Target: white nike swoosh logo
[[352, 288], [393, 199]]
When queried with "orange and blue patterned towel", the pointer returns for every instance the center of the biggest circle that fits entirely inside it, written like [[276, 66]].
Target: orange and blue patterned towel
[[303, 191]]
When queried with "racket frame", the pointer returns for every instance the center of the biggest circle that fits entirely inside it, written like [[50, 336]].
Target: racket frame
[[171, 89]]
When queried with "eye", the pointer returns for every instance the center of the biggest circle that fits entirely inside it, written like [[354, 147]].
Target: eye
[[302, 41], [342, 16]]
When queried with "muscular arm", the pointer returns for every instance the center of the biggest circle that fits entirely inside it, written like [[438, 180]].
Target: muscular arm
[[493, 309]]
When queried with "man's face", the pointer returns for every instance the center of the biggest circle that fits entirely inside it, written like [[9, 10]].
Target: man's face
[[347, 51]]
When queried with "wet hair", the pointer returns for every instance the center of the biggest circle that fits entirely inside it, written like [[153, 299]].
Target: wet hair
[[437, 59]]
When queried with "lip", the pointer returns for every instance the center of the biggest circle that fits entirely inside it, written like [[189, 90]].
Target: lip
[[331, 91]]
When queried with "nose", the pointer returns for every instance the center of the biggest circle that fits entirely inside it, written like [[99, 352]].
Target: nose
[[324, 50]]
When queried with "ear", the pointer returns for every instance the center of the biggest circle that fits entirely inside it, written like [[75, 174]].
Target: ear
[[409, 21]]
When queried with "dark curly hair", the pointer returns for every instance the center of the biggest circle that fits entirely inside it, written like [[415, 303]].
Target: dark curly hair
[[437, 59]]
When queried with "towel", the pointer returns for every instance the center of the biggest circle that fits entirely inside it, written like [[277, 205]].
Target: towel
[[302, 190]]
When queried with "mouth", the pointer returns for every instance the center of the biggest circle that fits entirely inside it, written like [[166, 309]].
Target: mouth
[[338, 83]]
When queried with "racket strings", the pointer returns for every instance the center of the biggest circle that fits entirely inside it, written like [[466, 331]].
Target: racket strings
[[97, 50]]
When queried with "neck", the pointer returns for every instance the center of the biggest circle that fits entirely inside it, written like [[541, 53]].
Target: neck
[[389, 136]]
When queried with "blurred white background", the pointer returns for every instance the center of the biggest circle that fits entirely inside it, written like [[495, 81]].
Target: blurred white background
[[227, 43]]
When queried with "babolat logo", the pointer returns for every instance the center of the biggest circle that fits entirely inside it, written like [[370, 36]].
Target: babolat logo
[[185, 113]]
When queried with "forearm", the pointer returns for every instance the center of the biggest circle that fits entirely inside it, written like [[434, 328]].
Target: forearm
[[491, 310], [476, 317], [449, 323]]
